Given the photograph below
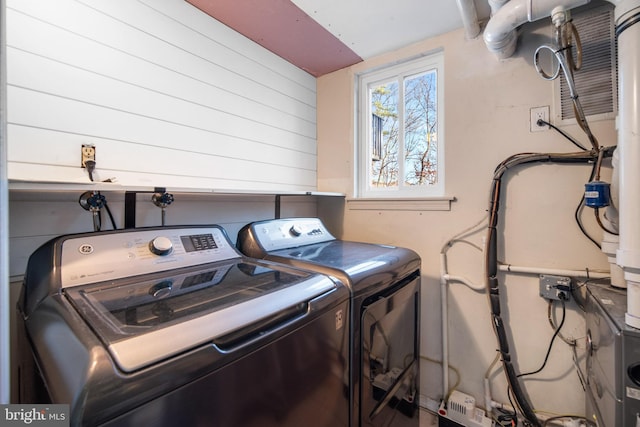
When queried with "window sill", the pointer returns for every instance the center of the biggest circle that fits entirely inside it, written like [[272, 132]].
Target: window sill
[[404, 204]]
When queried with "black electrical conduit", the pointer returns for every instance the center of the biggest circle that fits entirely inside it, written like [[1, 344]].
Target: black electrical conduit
[[491, 259]]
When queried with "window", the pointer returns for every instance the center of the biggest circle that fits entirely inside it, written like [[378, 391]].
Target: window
[[401, 151]]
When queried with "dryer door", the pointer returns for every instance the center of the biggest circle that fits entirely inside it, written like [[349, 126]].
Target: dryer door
[[390, 355]]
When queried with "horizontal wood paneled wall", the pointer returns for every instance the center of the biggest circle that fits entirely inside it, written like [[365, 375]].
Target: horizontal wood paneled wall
[[168, 95]]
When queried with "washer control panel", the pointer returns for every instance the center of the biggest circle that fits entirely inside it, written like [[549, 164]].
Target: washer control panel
[[98, 257], [291, 232]]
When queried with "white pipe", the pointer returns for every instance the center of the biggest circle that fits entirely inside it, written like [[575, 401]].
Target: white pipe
[[611, 213], [610, 242], [628, 255], [496, 5], [586, 273], [629, 146], [469, 16], [445, 278], [445, 306], [500, 34], [445, 328], [487, 397], [464, 281]]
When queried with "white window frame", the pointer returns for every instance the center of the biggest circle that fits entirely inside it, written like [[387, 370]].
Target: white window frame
[[426, 62]]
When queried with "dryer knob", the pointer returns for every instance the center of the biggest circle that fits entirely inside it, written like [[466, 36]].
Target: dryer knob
[[161, 290], [295, 230], [161, 246]]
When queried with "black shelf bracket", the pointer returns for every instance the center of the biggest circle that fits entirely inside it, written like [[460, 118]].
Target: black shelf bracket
[[130, 201]]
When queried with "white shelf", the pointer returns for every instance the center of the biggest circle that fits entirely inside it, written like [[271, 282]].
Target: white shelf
[[67, 187]]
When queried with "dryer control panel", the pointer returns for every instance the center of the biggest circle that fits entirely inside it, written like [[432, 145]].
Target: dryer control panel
[[286, 233], [97, 257]]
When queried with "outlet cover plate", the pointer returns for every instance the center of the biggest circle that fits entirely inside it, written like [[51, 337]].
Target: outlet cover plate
[[537, 113]]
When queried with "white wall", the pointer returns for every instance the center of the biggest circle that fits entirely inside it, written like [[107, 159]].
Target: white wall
[[487, 106], [168, 95]]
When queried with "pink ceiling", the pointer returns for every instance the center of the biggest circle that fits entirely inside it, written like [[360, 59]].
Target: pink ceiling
[[281, 27]]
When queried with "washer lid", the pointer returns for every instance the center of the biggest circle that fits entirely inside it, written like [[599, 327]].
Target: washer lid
[[146, 320], [306, 243]]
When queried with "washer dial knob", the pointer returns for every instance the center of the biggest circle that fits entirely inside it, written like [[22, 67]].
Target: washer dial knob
[[161, 290], [161, 246], [295, 230]]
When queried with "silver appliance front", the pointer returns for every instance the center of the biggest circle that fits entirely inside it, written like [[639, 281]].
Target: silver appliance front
[[613, 359], [390, 355], [384, 282], [192, 334]]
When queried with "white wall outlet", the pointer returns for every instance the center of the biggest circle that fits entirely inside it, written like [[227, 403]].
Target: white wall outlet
[[539, 113], [88, 152]]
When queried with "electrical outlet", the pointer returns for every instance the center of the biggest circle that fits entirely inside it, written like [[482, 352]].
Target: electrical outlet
[[539, 113], [555, 287], [88, 152]]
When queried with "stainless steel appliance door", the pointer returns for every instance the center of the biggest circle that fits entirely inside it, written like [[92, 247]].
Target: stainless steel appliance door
[[300, 379], [279, 325], [146, 321], [390, 354]]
